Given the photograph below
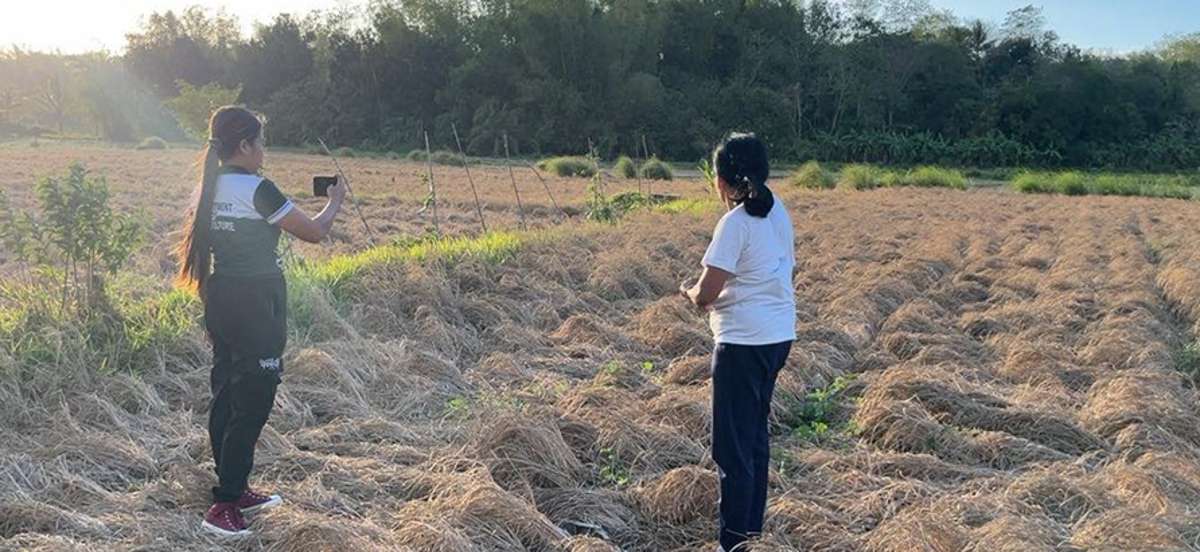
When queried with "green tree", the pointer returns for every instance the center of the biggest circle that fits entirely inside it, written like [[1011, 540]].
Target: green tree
[[195, 105]]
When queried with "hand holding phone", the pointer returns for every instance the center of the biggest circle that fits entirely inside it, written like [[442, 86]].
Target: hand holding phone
[[321, 185]]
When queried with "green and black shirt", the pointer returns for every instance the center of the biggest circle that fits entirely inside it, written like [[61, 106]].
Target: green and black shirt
[[246, 210]]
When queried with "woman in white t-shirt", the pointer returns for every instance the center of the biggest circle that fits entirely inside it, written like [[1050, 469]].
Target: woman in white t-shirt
[[747, 288]]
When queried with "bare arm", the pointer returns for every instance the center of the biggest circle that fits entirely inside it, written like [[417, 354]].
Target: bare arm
[[314, 229], [706, 291]]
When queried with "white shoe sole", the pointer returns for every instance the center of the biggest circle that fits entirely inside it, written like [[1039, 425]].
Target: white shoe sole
[[213, 529], [276, 500]]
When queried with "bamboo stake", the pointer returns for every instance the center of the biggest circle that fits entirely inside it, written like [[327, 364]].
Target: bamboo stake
[[467, 166], [513, 178], [432, 187]]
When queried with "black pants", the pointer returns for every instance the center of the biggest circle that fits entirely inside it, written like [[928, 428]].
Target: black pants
[[246, 320], [743, 381]]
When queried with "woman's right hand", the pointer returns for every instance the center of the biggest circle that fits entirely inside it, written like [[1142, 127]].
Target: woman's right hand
[[337, 192]]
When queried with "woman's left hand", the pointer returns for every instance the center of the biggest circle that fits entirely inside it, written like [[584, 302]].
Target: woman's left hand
[[685, 291]]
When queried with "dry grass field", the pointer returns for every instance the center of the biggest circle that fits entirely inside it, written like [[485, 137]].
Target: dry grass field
[[391, 193], [979, 370]]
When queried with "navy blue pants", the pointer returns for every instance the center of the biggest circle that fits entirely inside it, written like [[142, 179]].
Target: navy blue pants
[[743, 381]]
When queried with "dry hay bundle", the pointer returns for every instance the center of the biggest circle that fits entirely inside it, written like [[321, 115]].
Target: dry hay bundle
[[580, 435], [1157, 482], [688, 410], [1062, 497], [1014, 533], [37, 542], [479, 510], [1152, 397], [671, 329], [891, 465], [681, 495], [624, 374], [587, 544], [804, 521], [906, 426], [1007, 452], [645, 447], [917, 530], [876, 499], [689, 370], [813, 332], [317, 384], [290, 529], [1043, 363], [25, 515], [627, 272], [1128, 529], [1180, 282], [114, 462], [589, 329], [967, 405], [1127, 347], [527, 451], [601, 513], [347, 435]]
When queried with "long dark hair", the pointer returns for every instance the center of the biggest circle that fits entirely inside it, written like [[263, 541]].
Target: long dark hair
[[227, 129], [741, 161]]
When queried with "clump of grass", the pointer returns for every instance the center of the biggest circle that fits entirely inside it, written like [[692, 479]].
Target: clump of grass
[[935, 177], [494, 247], [654, 169], [571, 166], [860, 177], [689, 206], [417, 155], [1070, 183], [813, 176], [625, 168], [152, 143], [1033, 183], [345, 152], [1077, 184], [440, 157]]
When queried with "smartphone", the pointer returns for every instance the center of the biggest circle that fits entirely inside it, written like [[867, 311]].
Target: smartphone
[[321, 185]]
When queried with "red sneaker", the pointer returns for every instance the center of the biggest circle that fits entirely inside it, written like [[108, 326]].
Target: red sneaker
[[251, 502], [224, 519]]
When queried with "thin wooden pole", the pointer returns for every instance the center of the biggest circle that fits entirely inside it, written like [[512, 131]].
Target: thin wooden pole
[[513, 178], [467, 166], [545, 185], [432, 187], [649, 183], [349, 190]]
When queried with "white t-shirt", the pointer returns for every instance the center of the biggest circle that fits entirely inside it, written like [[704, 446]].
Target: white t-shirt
[[758, 304]]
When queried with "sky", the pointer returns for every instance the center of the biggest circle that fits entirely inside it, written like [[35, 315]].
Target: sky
[[1114, 26]]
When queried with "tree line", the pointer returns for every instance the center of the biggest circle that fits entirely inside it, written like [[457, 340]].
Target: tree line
[[889, 81]]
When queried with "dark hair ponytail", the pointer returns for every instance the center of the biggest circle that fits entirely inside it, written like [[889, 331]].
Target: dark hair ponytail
[[228, 128], [741, 161]]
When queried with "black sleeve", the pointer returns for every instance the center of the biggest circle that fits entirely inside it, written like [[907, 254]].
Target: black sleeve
[[270, 202]]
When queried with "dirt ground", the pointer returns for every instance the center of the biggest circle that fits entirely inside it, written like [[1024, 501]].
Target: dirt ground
[[1014, 372]]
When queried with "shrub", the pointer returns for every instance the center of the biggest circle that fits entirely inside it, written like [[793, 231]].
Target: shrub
[[1033, 183], [860, 177], [345, 152], [417, 155], [443, 157], [1070, 183], [625, 167], [394, 156], [654, 169], [935, 177], [569, 166], [152, 143], [813, 176]]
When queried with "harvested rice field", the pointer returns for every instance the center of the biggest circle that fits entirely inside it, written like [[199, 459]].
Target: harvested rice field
[[976, 370]]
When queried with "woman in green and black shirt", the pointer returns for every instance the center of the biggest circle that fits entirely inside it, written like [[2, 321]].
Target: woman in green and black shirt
[[228, 255]]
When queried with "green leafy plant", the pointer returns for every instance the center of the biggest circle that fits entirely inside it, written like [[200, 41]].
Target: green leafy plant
[[612, 471], [654, 169], [813, 176], [625, 168]]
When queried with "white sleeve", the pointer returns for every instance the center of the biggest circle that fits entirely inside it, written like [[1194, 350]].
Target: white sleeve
[[726, 247]]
